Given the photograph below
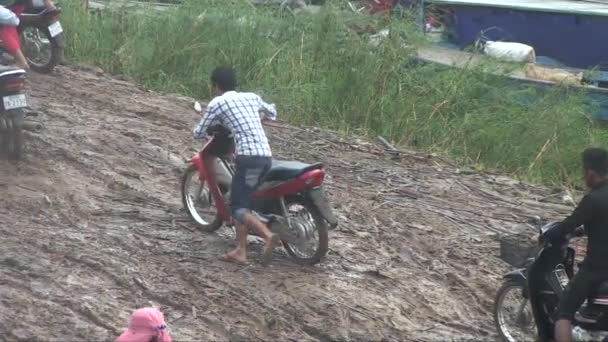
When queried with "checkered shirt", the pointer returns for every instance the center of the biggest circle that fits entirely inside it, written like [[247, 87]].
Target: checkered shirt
[[241, 114]]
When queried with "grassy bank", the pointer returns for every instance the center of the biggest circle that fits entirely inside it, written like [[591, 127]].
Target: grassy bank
[[320, 72]]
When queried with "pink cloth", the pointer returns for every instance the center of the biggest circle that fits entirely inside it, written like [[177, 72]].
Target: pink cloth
[[144, 324]]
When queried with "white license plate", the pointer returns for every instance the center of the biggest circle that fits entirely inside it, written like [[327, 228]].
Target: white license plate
[[14, 101], [55, 29]]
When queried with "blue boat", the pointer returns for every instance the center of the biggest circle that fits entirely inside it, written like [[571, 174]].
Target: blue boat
[[569, 34], [572, 32]]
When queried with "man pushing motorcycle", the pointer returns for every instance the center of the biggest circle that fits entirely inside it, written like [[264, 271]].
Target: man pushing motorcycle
[[592, 212], [242, 113]]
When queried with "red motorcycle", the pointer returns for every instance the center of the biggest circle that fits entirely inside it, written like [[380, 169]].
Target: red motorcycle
[[290, 199]]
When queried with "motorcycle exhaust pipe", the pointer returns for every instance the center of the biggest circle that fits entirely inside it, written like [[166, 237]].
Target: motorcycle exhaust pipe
[[32, 126], [580, 334]]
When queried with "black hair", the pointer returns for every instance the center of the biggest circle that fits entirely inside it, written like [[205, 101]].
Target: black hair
[[224, 78], [596, 160]]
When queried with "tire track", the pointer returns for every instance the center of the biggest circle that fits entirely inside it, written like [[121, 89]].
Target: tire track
[[96, 198]]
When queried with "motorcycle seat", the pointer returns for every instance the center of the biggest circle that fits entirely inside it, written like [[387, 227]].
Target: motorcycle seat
[[6, 70], [285, 170]]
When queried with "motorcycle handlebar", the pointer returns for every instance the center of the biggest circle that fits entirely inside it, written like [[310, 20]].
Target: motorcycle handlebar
[[579, 232], [50, 11], [221, 142], [219, 131]]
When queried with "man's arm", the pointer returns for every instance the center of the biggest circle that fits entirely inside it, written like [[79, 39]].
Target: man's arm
[[49, 4], [8, 17], [269, 111], [581, 215], [210, 117]]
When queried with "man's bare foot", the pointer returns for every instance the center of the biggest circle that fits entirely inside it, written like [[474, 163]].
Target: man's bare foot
[[271, 243], [236, 255]]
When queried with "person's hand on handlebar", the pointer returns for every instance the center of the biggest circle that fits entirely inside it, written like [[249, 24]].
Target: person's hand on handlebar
[[264, 118], [49, 5], [579, 232]]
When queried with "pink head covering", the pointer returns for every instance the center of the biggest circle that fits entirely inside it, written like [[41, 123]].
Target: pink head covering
[[143, 325]]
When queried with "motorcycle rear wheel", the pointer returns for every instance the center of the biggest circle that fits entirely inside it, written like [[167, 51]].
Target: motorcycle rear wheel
[[308, 216], [524, 318], [11, 137], [15, 143]]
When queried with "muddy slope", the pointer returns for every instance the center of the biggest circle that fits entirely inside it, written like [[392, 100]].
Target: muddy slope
[[91, 228]]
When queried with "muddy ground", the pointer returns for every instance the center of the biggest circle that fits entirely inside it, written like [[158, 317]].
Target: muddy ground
[[91, 228]]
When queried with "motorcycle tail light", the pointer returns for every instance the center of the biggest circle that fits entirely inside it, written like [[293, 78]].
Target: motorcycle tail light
[[13, 84]]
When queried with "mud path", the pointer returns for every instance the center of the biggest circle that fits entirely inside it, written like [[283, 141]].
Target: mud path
[[91, 228]]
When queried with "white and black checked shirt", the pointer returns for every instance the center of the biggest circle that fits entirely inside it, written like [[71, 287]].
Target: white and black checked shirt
[[240, 113]]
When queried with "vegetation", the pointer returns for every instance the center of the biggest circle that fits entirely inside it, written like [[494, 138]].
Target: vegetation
[[320, 71]]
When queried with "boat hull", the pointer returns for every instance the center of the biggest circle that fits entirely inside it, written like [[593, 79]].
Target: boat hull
[[576, 40]]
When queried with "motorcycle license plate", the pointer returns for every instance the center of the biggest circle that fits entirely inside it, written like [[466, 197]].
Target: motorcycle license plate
[[55, 29], [14, 101]]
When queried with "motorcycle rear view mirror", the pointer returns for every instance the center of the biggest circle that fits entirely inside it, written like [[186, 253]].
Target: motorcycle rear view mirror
[[547, 227], [197, 107]]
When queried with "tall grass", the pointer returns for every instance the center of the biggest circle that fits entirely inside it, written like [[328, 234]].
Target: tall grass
[[321, 72]]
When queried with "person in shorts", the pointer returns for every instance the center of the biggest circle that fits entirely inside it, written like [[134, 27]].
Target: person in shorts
[[242, 113]]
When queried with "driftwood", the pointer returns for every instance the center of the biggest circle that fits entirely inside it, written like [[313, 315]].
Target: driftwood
[[468, 206]]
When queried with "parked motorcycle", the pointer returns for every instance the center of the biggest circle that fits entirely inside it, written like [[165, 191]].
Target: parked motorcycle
[[13, 112], [290, 199], [537, 288], [42, 37]]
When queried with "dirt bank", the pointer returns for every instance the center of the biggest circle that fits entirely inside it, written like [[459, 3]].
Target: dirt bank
[[91, 228]]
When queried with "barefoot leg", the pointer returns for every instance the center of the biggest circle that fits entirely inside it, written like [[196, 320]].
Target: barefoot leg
[[240, 252]]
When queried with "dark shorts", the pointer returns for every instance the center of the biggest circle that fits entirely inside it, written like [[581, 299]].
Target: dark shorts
[[250, 170], [580, 287]]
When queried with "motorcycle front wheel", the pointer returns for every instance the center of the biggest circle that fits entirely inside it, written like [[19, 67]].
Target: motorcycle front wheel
[[198, 201], [513, 314]]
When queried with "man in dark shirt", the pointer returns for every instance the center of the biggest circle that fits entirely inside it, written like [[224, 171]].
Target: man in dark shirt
[[592, 212]]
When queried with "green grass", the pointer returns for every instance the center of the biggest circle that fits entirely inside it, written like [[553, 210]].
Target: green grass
[[320, 72]]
